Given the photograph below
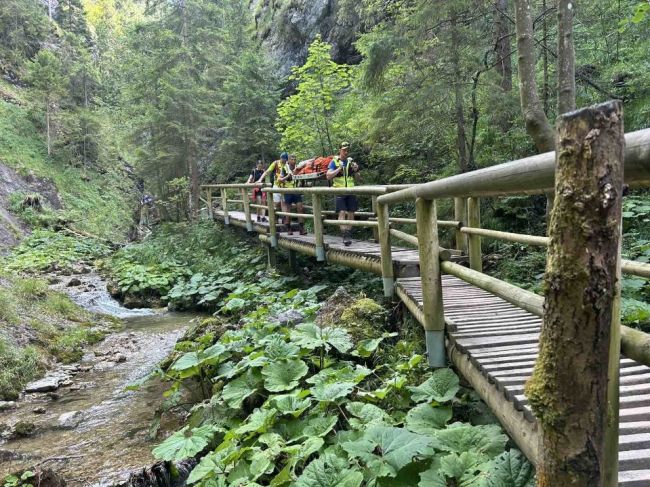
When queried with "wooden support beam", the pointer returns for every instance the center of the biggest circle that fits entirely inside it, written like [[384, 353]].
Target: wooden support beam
[[351, 223], [432, 308], [273, 229], [294, 215], [474, 220], [272, 255], [208, 201], [383, 230], [319, 235], [640, 269], [507, 236], [293, 259], [224, 206], [573, 390], [375, 230], [247, 209], [460, 214]]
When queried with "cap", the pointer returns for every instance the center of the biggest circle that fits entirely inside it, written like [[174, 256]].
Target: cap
[[344, 145], [284, 156]]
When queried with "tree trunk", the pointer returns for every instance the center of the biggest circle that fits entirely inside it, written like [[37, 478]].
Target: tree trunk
[[566, 77], [502, 44], [461, 135], [47, 128], [568, 390], [537, 124], [545, 88]]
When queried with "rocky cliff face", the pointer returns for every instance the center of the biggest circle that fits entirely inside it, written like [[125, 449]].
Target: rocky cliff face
[[287, 27]]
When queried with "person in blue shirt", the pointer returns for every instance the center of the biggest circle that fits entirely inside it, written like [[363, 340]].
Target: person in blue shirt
[[342, 172]]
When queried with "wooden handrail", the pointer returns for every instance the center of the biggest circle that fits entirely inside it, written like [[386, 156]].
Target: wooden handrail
[[531, 175]]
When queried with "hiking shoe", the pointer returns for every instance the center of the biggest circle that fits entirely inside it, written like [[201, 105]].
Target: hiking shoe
[[347, 238], [259, 218], [302, 229], [264, 219]]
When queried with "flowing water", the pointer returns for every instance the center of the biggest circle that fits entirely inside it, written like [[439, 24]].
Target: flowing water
[[103, 435]]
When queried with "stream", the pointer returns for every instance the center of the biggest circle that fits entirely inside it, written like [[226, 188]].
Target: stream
[[91, 430]]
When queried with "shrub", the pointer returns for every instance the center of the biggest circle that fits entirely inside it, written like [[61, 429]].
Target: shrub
[[17, 368]]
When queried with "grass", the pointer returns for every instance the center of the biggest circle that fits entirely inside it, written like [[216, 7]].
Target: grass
[[18, 366], [98, 202], [69, 346], [53, 326]]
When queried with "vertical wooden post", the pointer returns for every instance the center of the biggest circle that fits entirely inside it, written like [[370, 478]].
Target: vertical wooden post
[[247, 209], [208, 199], [474, 220], [317, 206], [383, 229], [574, 387], [224, 206], [460, 215], [375, 230], [273, 231], [293, 259], [434, 317], [271, 253]]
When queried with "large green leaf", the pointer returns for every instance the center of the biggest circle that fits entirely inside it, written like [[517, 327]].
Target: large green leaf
[[237, 390], [187, 364], [258, 422], [331, 392], [319, 426], [341, 372], [284, 375], [329, 471], [510, 469], [387, 450], [278, 349], [367, 414], [442, 386], [185, 443], [426, 419], [459, 437], [464, 468], [310, 336], [290, 404]]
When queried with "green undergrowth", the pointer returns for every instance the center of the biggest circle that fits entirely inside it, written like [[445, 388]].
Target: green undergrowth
[[338, 400], [187, 265], [97, 200], [524, 266], [38, 326], [47, 250]]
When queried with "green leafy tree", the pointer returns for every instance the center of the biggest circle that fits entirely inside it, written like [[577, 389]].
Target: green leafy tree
[[48, 81], [306, 119]]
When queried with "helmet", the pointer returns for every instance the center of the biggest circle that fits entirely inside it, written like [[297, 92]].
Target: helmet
[[284, 156]]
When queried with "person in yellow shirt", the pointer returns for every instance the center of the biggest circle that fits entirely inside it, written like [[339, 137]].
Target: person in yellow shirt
[[275, 169], [292, 199], [342, 172]]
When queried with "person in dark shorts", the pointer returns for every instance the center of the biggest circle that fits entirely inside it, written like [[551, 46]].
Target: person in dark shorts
[[258, 196], [292, 199], [342, 172]]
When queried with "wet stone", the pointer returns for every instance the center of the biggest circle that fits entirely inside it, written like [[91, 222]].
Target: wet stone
[[74, 282], [119, 358], [46, 384], [39, 410], [70, 419], [290, 317], [7, 405]]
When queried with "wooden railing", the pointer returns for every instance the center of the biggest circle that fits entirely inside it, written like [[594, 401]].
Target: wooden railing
[[532, 175]]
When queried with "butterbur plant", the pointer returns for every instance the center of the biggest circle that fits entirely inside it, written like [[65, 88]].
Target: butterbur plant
[[304, 406]]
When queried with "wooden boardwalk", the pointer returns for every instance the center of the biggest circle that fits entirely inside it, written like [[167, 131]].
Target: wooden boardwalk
[[494, 345]]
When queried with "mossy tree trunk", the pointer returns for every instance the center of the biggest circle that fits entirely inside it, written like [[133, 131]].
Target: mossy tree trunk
[[568, 390]]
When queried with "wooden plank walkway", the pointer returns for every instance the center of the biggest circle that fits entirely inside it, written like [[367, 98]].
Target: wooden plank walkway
[[497, 339], [406, 261], [501, 341]]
